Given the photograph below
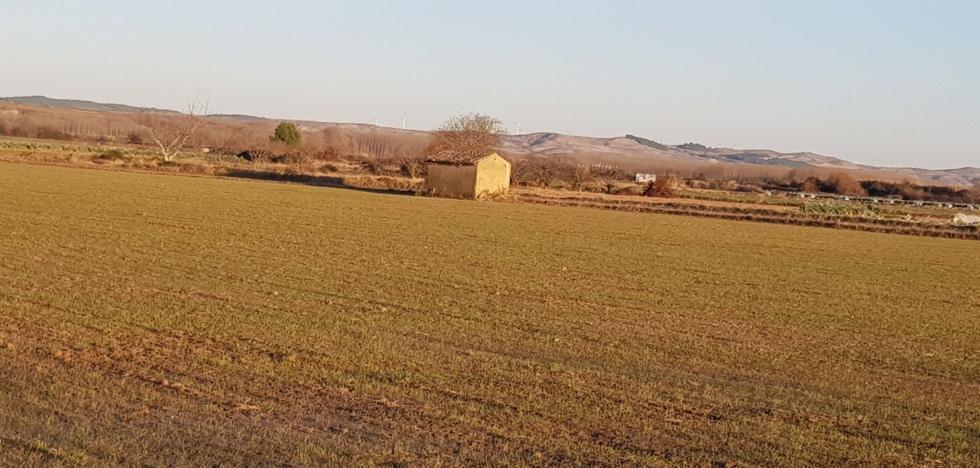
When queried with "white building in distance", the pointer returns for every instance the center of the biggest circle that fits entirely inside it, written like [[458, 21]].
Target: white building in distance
[[644, 178]]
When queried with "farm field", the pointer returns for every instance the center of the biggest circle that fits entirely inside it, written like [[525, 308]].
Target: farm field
[[164, 319]]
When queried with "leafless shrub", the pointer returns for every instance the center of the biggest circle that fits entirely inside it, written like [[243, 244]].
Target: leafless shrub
[[110, 155], [134, 138], [748, 188], [50, 133], [467, 134], [663, 187], [297, 158], [811, 185], [843, 184], [171, 132], [627, 189], [413, 168]]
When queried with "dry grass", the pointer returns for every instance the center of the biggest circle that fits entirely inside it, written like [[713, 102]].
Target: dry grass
[[184, 320]]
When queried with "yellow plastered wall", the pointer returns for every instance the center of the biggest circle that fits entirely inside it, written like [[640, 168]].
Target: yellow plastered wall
[[492, 176]]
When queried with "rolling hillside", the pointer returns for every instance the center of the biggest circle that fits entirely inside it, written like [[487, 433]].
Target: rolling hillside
[[615, 150], [44, 101]]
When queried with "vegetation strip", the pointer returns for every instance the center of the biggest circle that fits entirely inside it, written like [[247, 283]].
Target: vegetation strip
[[766, 216]]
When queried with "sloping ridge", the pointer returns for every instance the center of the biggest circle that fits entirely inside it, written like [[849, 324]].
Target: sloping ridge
[[630, 148], [44, 101]]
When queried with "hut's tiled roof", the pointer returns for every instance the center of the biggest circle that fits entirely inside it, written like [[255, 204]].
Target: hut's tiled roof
[[456, 158]]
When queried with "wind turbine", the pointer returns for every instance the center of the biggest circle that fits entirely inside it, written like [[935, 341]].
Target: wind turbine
[[518, 125], [404, 122]]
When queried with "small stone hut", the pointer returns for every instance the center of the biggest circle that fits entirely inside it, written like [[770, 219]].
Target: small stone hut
[[455, 174]]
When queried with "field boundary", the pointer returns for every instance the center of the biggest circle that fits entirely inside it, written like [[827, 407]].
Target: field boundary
[[759, 215]]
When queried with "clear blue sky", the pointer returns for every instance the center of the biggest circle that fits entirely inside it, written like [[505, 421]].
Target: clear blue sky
[[893, 82]]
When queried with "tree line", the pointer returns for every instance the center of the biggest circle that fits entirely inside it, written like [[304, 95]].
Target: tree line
[[403, 153]]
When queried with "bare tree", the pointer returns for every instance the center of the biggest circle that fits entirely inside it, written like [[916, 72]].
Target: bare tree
[[171, 132], [468, 134], [579, 173], [411, 166]]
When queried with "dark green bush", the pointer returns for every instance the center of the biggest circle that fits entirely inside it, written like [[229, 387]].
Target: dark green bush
[[287, 133]]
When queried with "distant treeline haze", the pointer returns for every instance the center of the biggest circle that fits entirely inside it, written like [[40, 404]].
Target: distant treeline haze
[[388, 150]]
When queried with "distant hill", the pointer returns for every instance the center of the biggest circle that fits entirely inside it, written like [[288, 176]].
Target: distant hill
[[631, 147], [44, 101], [628, 148], [238, 117]]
